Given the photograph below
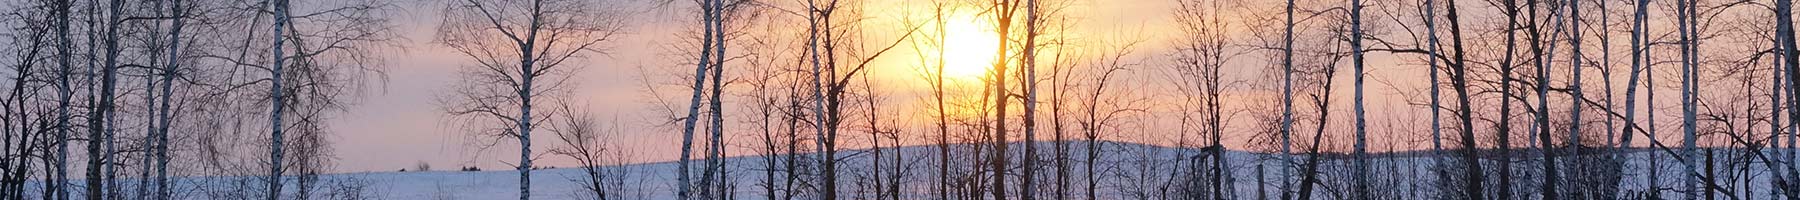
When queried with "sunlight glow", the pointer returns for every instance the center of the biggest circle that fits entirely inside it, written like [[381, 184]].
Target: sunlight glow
[[969, 47]]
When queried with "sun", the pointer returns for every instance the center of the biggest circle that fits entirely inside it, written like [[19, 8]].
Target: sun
[[969, 47]]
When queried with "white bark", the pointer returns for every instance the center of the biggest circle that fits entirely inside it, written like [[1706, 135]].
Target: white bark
[[1637, 66], [1784, 34], [64, 91], [108, 82], [684, 184], [1575, 61], [1641, 18], [714, 173], [825, 133], [1778, 167], [1543, 115], [527, 72], [705, 65], [276, 97], [1360, 187], [1028, 189], [1688, 96], [1437, 135], [164, 119]]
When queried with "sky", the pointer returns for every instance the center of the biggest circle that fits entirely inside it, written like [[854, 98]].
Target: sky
[[399, 125]]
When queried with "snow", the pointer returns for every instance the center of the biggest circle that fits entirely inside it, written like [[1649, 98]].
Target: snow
[[1130, 171]]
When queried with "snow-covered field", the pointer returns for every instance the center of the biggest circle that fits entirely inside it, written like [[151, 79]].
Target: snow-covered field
[[1128, 171], [560, 183]]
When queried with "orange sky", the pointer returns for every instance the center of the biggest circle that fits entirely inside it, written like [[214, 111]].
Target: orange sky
[[401, 125]]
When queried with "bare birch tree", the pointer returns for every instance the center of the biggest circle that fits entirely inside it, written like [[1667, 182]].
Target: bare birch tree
[[522, 52]]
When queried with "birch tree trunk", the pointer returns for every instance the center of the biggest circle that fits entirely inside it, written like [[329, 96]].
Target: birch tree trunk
[[1780, 176], [1538, 54], [105, 112], [1691, 92], [527, 72], [1287, 101], [1688, 97], [1028, 190], [1360, 189], [1784, 37], [1638, 65], [825, 132], [715, 166], [169, 72], [64, 52], [144, 158], [1649, 98], [1577, 167], [276, 99], [96, 181], [1613, 164], [1437, 127], [683, 182], [1784, 34], [96, 185]]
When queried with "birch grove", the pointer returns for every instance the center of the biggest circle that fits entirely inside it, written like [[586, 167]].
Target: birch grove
[[892, 99]]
